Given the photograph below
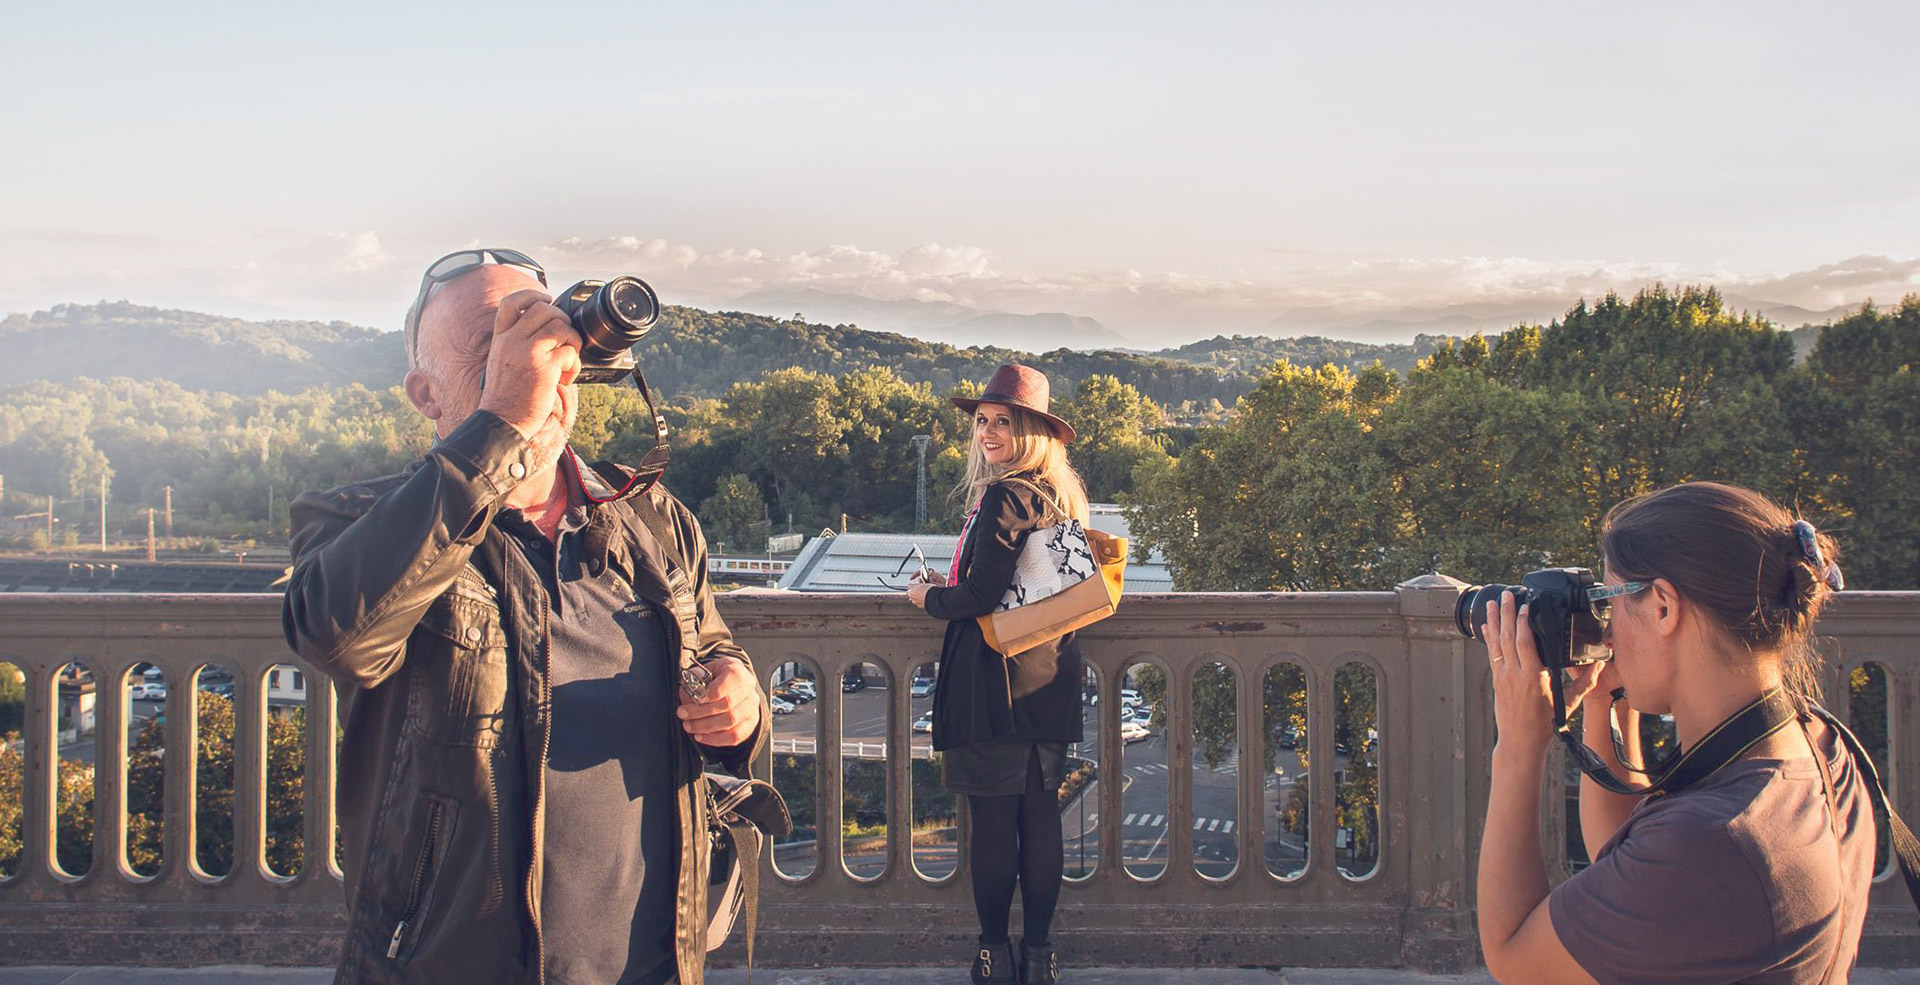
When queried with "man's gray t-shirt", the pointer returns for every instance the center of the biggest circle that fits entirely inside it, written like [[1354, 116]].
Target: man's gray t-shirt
[[612, 839], [1746, 877]]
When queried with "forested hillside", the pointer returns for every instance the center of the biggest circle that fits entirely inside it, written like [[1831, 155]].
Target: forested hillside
[[1497, 456], [689, 353], [1486, 457]]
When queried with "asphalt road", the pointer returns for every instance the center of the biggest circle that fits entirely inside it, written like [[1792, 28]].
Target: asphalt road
[[139, 713]]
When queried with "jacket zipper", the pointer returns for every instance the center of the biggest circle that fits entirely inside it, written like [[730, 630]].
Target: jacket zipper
[[540, 791], [416, 889]]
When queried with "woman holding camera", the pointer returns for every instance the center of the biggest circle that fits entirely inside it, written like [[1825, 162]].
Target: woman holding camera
[[1004, 723], [1758, 872]]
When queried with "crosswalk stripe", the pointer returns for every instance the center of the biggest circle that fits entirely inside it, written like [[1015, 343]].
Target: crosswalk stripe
[[1129, 819], [1215, 826], [1158, 820], [1198, 822], [1226, 828]]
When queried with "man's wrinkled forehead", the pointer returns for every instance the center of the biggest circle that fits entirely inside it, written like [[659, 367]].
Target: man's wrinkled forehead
[[460, 313]]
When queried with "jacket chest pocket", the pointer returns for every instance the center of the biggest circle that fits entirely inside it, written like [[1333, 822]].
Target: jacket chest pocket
[[458, 670]]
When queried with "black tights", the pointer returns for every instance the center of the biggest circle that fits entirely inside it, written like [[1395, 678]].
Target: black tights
[[1017, 839]]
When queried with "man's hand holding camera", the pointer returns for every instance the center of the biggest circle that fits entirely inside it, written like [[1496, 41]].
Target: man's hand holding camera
[[535, 353], [726, 710]]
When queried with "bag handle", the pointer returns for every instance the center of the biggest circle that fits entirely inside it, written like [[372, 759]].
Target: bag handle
[[1057, 510]]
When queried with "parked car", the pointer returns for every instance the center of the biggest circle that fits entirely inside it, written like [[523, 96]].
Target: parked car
[[1142, 717], [779, 706], [922, 686], [803, 685], [149, 691], [795, 695], [1132, 731], [924, 724], [853, 683], [1129, 699]]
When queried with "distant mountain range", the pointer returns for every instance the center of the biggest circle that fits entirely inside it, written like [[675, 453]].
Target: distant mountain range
[[1493, 318], [689, 353], [937, 321]]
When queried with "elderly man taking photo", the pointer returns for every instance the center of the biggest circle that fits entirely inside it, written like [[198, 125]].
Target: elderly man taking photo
[[531, 679]]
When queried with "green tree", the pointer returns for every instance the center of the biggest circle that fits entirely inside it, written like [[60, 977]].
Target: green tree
[[735, 514], [13, 699], [1857, 423], [13, 788], [1116, 432]]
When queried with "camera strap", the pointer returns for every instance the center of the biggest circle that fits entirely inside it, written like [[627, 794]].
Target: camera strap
[[654, 463], [1900, 838], [1730, 740]]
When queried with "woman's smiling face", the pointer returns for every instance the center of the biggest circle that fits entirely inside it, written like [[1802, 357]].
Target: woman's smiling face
[[993, 431]]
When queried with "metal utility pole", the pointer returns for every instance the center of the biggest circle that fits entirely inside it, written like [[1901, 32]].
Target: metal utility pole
[[266, 442], [103, 513], [920, 443], [150, 553], [169, 511]]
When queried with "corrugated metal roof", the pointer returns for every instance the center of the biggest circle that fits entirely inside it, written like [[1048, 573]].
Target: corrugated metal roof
[[860, 562]]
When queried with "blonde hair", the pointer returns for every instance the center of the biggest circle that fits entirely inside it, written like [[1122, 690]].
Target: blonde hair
[[1039, 458]]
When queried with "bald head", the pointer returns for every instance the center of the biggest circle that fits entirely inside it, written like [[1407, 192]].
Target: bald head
[[456, 324]]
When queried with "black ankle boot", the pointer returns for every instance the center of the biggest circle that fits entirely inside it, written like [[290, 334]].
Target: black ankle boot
[[993, 964], [1039, 963]]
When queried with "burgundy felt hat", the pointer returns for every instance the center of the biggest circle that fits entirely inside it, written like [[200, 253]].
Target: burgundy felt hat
[[1023, 387]]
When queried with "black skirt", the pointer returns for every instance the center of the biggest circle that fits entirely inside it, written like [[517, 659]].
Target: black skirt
[[998, 767]]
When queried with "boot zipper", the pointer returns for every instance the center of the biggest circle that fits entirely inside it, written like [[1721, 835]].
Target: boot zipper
[[419, 883]]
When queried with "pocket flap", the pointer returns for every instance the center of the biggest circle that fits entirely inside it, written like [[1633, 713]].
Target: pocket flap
[[467, 622]]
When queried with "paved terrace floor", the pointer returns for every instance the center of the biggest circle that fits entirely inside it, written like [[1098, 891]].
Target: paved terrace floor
[[237, 975]]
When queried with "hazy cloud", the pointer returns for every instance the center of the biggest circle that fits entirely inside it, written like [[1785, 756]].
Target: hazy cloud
[[349, 267], [1847, 282], [1156, 306], [90, 238], [354, 276]]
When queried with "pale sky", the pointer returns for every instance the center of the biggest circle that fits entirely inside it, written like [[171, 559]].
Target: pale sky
[[1171, 169]]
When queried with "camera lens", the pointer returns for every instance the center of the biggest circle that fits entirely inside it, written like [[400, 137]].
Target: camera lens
[[1470, 612], [614, 317], [632, 302]]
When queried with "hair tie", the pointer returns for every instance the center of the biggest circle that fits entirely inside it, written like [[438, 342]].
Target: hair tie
[[1810, 546]]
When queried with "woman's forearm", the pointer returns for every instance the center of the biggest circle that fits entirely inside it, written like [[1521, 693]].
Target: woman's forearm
[[1513, 875], [1602, 811]]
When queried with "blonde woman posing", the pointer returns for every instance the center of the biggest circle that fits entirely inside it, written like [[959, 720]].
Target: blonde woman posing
[[1004, 723]]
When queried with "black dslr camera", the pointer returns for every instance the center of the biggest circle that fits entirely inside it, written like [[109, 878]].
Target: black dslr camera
[[1566, 624], [611, 317]]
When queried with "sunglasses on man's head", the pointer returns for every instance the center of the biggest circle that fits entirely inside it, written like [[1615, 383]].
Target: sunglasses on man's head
[[453, 265]]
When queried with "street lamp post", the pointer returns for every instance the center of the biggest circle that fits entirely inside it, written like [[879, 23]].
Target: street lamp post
[[920, 443]]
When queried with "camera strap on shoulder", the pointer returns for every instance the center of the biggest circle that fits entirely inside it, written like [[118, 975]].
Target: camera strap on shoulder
[[744, 837], [1728, 741], [1900, 838]]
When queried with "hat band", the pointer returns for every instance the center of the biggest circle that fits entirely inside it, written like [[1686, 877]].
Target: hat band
[[1005, 398]]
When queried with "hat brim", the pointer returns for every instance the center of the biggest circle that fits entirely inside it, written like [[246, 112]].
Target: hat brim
[[1061, 429]]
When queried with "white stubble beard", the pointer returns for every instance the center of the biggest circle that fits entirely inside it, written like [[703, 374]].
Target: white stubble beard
[[547, 443]]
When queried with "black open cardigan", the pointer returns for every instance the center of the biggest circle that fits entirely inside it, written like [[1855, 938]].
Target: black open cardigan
[[981, 694]]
